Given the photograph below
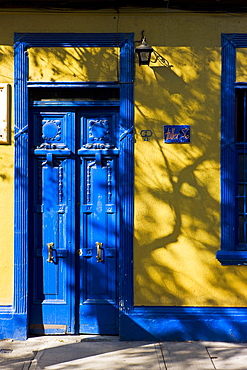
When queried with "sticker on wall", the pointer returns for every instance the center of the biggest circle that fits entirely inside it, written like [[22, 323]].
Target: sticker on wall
[[4, 113], [145, 134], [177, 134]]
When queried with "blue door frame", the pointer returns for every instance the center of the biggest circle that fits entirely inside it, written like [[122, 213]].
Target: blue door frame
[[19, 311]]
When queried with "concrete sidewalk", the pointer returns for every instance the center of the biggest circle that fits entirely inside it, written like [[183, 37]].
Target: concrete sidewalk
[[93, 352]]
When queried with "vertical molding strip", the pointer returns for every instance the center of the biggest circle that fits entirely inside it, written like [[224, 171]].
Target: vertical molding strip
[[126, 173], [21, 181], [228, 165]]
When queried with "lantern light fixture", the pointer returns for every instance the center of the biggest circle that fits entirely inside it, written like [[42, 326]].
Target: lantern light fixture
[[144, 52]]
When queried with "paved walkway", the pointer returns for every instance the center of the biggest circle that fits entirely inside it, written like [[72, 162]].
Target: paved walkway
[[106, 352]]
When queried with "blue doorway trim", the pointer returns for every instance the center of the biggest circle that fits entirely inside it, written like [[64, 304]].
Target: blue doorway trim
[[18, 314]]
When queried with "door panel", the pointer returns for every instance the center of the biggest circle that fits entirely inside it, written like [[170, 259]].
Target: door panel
[[98, 153], [98, 301], [73, 246], [52, 191]]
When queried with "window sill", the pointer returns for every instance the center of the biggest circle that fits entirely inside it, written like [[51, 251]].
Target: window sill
[[232, 257]]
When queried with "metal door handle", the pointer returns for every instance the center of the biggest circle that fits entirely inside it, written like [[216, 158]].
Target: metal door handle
[[99, 247], [50, 249]]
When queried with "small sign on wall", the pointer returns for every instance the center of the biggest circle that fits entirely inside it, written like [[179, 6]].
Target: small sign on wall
[[177, 134], [4, 113]]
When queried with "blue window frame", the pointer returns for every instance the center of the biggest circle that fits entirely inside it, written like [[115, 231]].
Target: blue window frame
[[233, 157]]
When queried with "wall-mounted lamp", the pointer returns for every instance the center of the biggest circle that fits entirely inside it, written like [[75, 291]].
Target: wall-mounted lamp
[[144, 52]]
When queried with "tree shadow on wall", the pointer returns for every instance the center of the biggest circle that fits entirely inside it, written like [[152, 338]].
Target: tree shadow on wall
[[73, 64], [177, 187]]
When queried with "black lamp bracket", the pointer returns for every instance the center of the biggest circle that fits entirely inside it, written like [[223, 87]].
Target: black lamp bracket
[[142, 39], [161, 59]]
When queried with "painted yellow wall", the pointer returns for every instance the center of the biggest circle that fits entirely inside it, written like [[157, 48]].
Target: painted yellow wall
[[6, 192], [73, 64], [177, 186]]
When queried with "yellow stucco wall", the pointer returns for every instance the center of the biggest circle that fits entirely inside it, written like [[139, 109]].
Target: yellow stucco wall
[[6, 192], [177, 186]]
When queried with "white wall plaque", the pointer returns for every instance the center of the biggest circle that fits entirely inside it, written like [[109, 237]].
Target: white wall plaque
[[4, 113]]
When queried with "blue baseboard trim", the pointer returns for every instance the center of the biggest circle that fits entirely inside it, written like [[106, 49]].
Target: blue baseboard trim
[[157, 324], [20, 330], [12, 325], [185, 324], [6, 322]]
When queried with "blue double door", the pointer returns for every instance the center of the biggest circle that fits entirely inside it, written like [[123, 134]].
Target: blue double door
[[74, 219]]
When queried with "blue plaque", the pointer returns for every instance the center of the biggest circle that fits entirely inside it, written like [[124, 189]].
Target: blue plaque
[[177, 134]]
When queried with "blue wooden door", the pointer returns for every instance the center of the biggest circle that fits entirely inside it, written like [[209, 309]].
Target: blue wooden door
[[98, 152], [74, 220], [51, 240]]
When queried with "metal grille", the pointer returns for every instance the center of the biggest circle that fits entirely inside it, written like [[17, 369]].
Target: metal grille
[[241, 173], [241, 198]]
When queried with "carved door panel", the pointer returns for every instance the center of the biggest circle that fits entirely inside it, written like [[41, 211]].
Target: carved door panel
[[74, 220], [52, 226], [98, 305]]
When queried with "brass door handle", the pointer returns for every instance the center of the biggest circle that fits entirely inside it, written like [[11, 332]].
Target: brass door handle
[[99, 247], [50, 249]]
